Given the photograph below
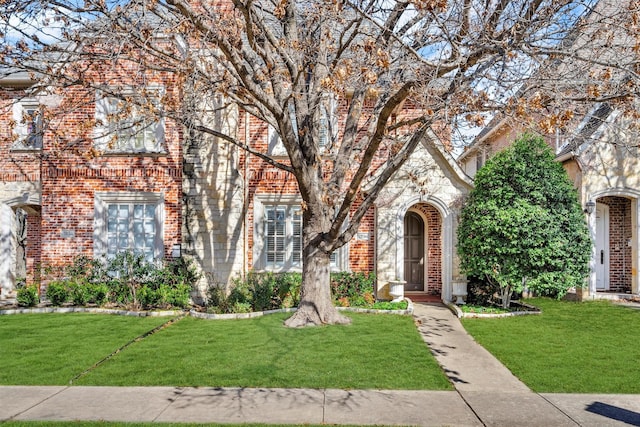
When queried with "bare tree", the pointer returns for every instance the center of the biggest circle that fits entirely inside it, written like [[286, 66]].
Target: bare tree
[[399, 69]]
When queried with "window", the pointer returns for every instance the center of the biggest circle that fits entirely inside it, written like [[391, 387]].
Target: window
[[275, 147], [283, 236], [278, 235], [129, 222], [27, 115], [326, 130], [129, 124]]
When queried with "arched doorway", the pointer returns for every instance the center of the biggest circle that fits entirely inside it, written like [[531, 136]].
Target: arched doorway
[[614, 241], [422, 250]]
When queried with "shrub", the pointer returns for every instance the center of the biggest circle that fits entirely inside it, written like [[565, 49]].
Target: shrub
[[353, 289], [268, 291], [217, 300], [80, 293], [523, 225], [127, 279], [179, 295], [274, 290], [57, 292], [98, 293], [28, 296], [240, 294]]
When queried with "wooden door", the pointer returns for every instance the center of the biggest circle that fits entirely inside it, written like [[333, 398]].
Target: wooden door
[[414, 254]]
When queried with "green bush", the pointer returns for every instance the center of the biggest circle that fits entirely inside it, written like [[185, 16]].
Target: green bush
[[98, 293], [80, 293], [522, 224], [57, 292], [179, 295], [128, 280], [217, 300], [269, 291], [353, 289], [28, 296]]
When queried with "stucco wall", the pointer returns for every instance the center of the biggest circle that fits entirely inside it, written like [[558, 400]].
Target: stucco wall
[[425, 178]]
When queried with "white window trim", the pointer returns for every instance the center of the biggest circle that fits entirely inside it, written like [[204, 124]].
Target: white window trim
[[103, 137], [20, 129], [328, 109], [259, 254], [102, 200]]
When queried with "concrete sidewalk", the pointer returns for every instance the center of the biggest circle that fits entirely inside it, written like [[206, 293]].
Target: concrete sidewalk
[[302, 406], [487, 394]]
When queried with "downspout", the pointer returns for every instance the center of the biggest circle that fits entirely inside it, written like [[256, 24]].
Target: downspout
[[245, 197], [375, 250]]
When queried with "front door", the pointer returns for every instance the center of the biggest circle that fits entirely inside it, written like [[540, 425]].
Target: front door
[[602, 247], [413, 252]]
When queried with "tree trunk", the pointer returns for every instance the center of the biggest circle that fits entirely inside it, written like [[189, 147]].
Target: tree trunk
[[505, 294], [316, 306]]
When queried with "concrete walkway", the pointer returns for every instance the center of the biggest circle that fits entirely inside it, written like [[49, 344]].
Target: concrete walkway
[[487, 394]]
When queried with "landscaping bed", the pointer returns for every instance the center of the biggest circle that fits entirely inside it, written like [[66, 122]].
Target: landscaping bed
[[517, 308]]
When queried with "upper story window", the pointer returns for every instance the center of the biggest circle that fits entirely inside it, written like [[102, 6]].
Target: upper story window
[[129, 123], [27, 115], [327, 129]]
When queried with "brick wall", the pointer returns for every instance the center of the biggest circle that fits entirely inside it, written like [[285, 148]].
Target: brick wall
[[264, 179]]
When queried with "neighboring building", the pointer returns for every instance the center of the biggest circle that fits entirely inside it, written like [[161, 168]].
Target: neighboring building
[[66, 190], [70, 188]]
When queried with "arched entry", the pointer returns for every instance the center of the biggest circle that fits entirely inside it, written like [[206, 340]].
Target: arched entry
[[20, 241], [422, 250], [614, 243]]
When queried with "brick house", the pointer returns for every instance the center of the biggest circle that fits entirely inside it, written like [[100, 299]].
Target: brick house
[[66, 189], [58, 200]]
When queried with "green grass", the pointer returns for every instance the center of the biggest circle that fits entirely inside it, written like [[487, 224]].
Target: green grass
[[51, 349], [376, 351], [589, 347]]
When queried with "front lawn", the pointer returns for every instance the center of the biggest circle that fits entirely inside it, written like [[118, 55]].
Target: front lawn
[[376, 351], [51, 349], [589, 347]]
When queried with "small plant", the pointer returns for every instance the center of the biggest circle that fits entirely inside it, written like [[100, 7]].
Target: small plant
[[27, 296], [57, 292], [481, 309], [388, 305]]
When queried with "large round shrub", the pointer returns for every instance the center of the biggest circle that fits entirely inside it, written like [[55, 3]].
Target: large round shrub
[[522, 223]]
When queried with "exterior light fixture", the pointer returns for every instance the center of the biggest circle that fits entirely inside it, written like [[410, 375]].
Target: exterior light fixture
[[589, 207]]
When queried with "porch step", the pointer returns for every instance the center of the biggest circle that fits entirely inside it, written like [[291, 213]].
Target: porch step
[[424, 297]]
